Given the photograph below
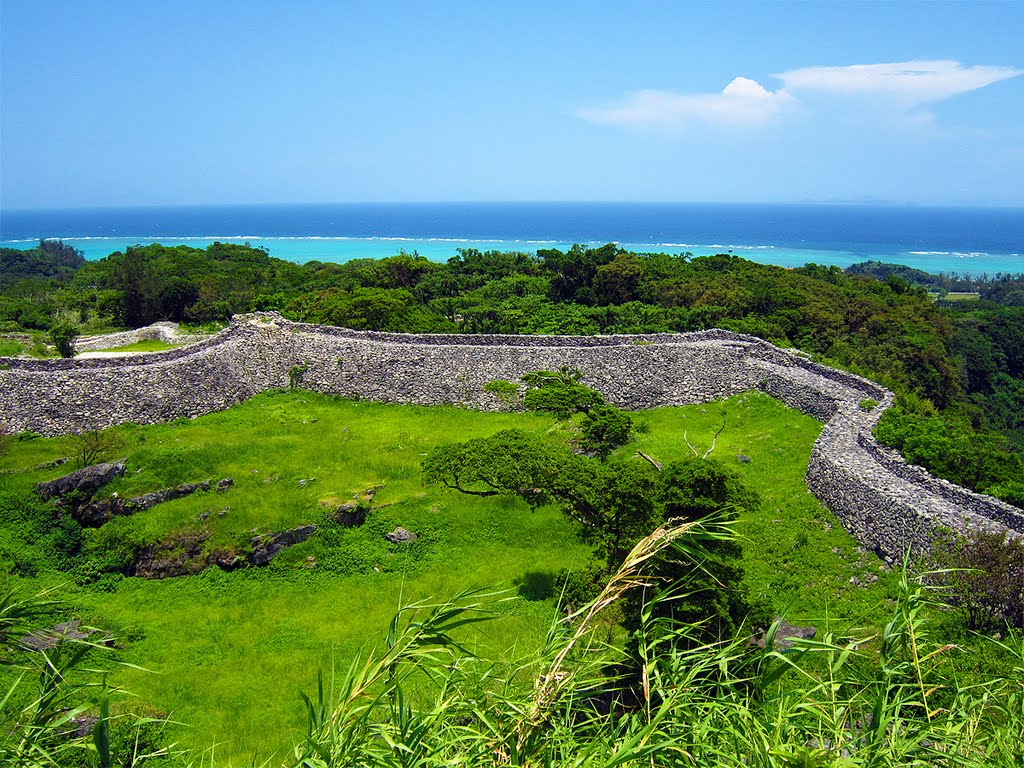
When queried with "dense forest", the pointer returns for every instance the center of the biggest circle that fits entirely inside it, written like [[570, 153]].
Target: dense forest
[[957, 366]]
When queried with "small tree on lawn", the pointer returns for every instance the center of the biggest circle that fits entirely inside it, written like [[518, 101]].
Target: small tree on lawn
[[63, 335]]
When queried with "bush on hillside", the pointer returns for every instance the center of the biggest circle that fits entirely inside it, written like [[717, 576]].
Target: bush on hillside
[[604, 429], [559, 392], [984, 573], [63, 335]]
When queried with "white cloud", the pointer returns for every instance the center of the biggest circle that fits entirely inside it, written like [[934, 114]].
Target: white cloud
[[909, 83], [745, 102], [741, 102]]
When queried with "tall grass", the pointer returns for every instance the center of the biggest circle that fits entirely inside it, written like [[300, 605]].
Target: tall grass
[[56, 712], [882, 700], [842, 702]]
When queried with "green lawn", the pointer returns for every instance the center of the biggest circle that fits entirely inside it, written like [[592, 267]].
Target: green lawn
[[961, 296], [146, 345], [228, 653], [798, 557], [10, 348]]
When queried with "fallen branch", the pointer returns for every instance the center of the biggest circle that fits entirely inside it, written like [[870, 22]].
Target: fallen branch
[[714, 441], [695, 453], [654, 463]]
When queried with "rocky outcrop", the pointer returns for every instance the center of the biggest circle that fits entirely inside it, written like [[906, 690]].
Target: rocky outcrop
[[786, 635], [184, 554], [97, 513], [353, 513], [46, 639], [83, 481], [400, 536], [266, 547]]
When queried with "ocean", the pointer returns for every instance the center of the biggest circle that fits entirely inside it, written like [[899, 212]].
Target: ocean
[[972, 241]]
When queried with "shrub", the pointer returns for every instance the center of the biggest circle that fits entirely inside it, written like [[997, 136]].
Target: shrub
[[296, 373], [38, 348], [984, 572], [93, 445], [604, 429], [562, 401], [1012, 492], [31, 541], [63, 335], [65, 541], [559, 392], [505, 391]]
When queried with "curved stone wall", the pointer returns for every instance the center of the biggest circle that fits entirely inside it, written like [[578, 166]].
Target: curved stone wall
[[885, 503]]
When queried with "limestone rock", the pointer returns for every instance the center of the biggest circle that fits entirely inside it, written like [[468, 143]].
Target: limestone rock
[[82, 725], [97, 513], [351, 514], [83, 480], [267, 546], [45, 639], [53, 464], [181, 555], [786, 635], [400, 536]]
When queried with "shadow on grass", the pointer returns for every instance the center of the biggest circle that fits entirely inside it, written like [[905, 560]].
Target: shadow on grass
[[536, 585]]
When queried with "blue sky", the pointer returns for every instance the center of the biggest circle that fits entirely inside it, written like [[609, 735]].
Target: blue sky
[[141, 103]]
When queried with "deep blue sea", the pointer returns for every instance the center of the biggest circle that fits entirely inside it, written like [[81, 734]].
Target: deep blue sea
[[962, 240]]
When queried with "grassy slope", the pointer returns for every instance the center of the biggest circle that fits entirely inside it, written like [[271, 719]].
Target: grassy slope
[[146, 345], [231, 651]]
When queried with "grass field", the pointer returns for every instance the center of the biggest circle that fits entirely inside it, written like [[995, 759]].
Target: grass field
[[146, 345], [10, 348], [229, 652], [34, 346], [961, 296]]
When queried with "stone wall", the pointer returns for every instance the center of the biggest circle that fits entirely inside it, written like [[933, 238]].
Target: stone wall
[[163, 331], [882, 501]]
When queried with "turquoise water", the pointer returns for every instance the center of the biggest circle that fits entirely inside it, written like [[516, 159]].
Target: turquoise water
[[342, 249], [963, 240]]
